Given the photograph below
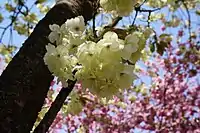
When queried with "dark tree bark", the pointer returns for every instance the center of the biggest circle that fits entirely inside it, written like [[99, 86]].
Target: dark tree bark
[[25, 82]]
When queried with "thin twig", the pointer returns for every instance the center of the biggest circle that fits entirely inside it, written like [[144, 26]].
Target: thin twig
[[189, 20], [138, 9], [16, 12], [114, 22], [136, 13], [94, 26]]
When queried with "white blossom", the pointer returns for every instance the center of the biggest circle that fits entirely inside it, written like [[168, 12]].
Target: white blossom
[[118, 7], [76, 25], [99, 66]]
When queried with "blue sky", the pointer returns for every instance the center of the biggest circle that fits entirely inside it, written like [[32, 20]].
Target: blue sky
[[17, 39]]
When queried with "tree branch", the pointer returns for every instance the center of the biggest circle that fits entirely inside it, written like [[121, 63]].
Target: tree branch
[[54, 109]]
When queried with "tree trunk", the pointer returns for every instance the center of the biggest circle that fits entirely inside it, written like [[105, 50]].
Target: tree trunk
[[25, 82]]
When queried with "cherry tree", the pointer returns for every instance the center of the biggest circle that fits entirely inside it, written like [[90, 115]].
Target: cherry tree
[[101, 70]]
